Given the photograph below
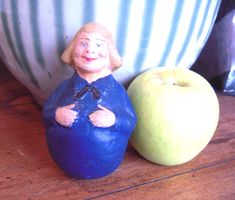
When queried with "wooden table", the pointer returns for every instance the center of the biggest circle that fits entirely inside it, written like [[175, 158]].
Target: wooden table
[[27, 171]]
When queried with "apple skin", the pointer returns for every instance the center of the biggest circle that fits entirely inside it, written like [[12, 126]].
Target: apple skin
[[177, 112]]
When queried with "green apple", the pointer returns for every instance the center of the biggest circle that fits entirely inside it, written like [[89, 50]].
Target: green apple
[[177, 111]]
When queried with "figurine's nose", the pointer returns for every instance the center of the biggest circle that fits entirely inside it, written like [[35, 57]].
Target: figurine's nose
[[90, 49]]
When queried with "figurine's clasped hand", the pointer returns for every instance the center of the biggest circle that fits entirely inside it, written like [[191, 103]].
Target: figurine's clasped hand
[[102, 118], [65, 115]]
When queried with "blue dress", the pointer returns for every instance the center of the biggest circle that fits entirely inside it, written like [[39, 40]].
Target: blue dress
[[83, 150]]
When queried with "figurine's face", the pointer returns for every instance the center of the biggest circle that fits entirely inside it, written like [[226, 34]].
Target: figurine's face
[[91, 53]]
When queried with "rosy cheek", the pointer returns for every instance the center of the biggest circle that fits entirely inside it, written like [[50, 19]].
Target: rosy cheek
[[78, 54], [103, 53]]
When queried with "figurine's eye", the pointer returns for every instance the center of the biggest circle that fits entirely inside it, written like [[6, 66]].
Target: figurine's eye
[[83, 44], [99, 44]]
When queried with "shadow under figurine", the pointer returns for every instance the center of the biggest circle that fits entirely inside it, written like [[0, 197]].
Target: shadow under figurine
[[89, 117]]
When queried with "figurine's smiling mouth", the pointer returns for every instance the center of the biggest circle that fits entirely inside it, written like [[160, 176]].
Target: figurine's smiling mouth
[[89, 59]]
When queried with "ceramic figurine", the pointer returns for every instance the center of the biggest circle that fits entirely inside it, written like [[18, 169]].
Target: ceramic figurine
[[89, 117]]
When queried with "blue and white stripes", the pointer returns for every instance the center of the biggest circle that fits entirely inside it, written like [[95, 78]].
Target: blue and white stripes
[[148, 33]]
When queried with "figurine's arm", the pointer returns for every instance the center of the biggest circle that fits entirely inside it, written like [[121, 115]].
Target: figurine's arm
[[52, 104], [120, 115], [124, 112], [125, 117]]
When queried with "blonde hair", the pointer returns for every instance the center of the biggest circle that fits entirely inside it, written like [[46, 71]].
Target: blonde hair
[[115, 58]]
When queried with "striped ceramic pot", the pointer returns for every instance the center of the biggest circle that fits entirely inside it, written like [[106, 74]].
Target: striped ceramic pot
[[148, 33]]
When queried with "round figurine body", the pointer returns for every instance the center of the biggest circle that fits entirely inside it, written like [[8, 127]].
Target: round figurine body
[[89, 117]]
